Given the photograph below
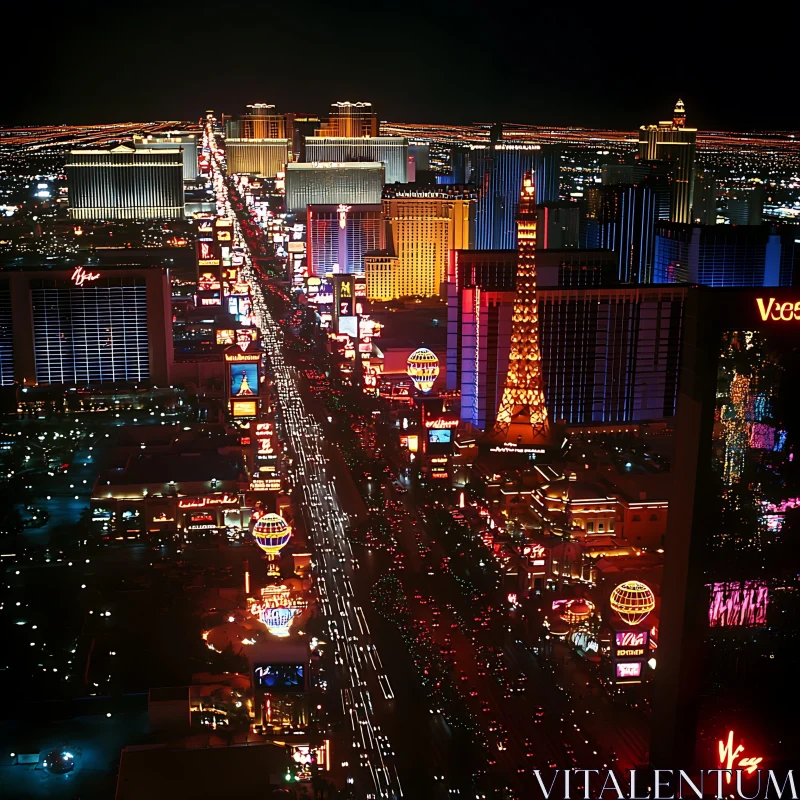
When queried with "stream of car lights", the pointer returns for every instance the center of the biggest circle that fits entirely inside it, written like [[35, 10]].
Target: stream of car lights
[[326, 523]]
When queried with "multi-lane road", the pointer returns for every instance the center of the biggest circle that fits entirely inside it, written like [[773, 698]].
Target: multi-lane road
[[360, 676]]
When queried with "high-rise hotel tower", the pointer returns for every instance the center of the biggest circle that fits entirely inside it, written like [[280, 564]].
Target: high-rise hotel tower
[[672, 141], [125, 183]]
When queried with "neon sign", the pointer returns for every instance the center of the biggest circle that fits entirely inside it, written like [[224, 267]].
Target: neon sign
[[738, 604], [632, 670], [728, 756], [778, 312], [631, 638], [81, 276], [534, 551], [203, 502], [441, 423], [633, 601], [342, 214]]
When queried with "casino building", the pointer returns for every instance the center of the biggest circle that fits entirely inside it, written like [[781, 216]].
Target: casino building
[[126, 183], [729, 631], [78, 323]]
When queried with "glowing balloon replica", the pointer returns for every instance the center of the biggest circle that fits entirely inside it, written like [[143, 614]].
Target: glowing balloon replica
[[633, 601], [423, 368], [271, 533]]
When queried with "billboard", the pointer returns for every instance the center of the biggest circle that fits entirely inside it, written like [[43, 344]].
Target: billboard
[[279, 677], [628, 669], [208, 254], [244, 379], [242, 409], [344, 293], [631, 644], [741, 604], [440, 436], [265, 442]]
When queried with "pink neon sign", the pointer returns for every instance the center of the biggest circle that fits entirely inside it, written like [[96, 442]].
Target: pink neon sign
[[631, 638], [632, 669]]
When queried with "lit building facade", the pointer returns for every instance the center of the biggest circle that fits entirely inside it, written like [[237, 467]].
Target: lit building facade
[[673, 142], [608, 355], [339, 236], [262, 157], [187, 142], [318, 183], [729, 622], [423, 231], [259, 122], [350, 120], [627, 225], [726, 255], [498, 174], [381, 270], [480, 289], [6, 336], [88, 325], [391, 151], [125, 184]]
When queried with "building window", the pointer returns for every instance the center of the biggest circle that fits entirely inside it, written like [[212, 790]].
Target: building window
[[654, 518], [636, 518], [590, 527]]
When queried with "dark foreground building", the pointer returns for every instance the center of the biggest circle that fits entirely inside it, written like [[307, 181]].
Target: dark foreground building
[[729, 634]]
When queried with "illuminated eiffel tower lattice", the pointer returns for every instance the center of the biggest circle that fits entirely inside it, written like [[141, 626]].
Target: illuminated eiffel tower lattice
[[522, 415]]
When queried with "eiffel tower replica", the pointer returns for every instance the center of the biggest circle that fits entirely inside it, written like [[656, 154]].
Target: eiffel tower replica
[[522, 425]]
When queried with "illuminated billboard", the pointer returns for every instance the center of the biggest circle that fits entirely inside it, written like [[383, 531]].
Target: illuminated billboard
[[629, 669], [440, 436], [244, 408], [207, 254], [279, 677], [244, 379], [225, 336], [265, 442], [631, 644], [741, 604]]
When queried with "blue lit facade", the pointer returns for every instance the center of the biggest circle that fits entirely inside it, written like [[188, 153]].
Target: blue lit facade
[[725, 255], [498, 178], [627, 225]]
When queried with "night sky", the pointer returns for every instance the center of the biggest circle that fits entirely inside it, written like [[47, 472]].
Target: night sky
[[560, 63]]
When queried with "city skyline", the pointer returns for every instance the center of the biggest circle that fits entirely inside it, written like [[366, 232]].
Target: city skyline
[[379, 460]]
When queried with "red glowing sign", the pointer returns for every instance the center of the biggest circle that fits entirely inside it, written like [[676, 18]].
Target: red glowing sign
[[728, 755], [739, 604], [81, 276], [534, 551]]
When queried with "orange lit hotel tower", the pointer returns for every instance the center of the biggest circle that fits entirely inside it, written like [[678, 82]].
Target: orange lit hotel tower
[[522, 426]]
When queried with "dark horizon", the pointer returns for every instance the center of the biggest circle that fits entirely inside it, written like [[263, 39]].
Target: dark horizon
[[457, 63]]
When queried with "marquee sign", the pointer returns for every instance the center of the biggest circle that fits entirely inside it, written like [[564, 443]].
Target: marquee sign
[[775, 311], [210, 500], [441, 423]]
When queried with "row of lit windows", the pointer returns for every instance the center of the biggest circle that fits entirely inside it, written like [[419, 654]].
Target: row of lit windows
[[90, 335]]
